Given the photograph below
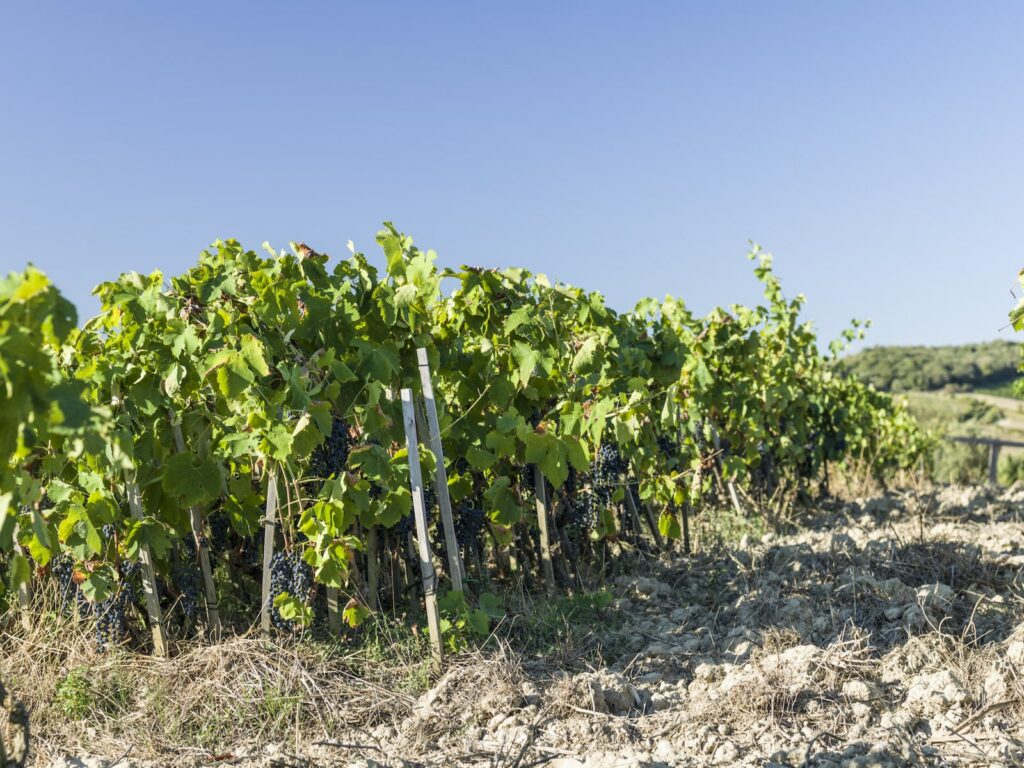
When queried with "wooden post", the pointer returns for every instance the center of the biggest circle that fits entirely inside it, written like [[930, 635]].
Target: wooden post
[[993, 464], [333, 611], [684, 512], [440, 473], [24, 591], [196, 519], [730, 485], [541, 492], [269, 531], [372, 570], [419, 511], [156, 619], [651, 523]]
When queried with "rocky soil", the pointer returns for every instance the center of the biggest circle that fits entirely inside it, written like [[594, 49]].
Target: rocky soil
[[888, 632]]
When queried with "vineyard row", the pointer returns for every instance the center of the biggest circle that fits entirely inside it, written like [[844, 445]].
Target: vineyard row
[[238, 431]]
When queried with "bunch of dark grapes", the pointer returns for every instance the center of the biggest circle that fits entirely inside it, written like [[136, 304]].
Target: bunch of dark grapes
[[609, 467], [330, 458], [70, 594], [571, 482], [220, 532], [289, 574], [701, 439], [189, 585], [584, 511], [111, 614], [668, 447], [469, 524]]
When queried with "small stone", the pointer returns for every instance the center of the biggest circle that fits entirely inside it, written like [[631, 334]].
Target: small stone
[[727, 752], [861, 690]]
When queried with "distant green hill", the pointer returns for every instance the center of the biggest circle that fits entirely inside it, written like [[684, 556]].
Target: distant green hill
[[988, 367]]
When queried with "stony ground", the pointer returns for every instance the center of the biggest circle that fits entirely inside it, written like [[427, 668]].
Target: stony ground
[[889, 632]]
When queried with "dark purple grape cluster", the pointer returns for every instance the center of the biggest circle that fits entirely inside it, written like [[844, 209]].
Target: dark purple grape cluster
[[330, 458], [69, 593], [609, 467], [469, 524], [289, 575], [584, 511], [220, 532], [111, 614], [189, 584], [668, 447]]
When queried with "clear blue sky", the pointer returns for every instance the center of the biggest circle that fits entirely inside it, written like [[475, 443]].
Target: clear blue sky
[[634, 148]]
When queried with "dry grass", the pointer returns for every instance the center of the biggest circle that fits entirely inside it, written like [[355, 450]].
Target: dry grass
[[206, 699]]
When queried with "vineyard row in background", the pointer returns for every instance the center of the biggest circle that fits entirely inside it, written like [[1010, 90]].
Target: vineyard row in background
[[237, 431]]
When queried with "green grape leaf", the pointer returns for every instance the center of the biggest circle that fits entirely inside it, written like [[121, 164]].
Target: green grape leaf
[[192, 479]]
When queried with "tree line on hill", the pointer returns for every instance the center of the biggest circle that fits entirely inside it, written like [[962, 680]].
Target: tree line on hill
[[954, 368]]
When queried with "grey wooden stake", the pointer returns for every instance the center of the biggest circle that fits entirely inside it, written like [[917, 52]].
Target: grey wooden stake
[[25, 590], [372, 570], [420, 513], [652, 519], [541, 492], [196, 519], [333, 611], [631, 503], [730, 485], [684, 511], [156, 619], [440, 473], [993, 464], [269, 531]]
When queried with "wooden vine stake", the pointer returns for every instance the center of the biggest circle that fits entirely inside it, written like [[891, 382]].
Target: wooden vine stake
[[196, 519], [420, 512], [652, 521], [730, 484], [156, 619], [24, 591], [372, 569], [334, 611], [684, 511], [269, 532], [648, 516], [440, 473], [541, 492]]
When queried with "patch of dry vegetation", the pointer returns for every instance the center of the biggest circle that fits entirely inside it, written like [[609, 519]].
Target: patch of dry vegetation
[[227, 698]]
